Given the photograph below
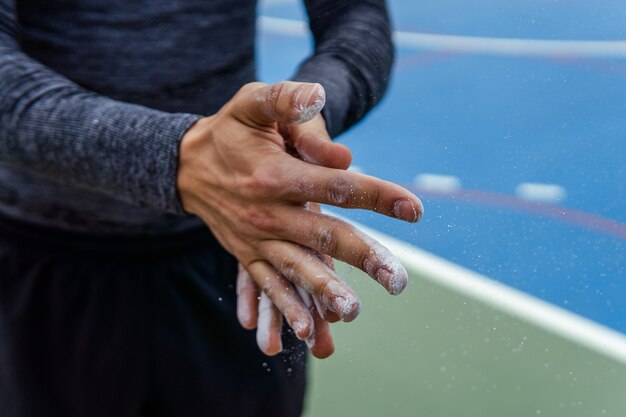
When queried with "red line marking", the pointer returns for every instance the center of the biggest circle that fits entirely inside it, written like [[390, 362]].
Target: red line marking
[[613, 66], [562, 214]]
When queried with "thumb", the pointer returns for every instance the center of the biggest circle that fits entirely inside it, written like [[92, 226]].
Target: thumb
[[284, 102]]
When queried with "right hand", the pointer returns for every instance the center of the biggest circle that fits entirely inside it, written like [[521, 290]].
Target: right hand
[[234, 173]]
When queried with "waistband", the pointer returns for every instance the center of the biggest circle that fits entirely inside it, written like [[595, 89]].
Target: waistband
[[19, 233]]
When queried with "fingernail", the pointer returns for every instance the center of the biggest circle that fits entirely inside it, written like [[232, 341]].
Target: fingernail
[[314, 94], [394, 283], [300, 329], [341, 301], [309, 101], [346, 307], [405, 210]]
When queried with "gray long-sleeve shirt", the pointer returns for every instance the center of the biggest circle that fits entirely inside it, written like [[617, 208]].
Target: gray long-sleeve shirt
[[95, 96]]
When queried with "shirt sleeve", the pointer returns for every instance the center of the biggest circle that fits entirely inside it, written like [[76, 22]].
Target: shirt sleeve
[[54, 128], [352, 59]]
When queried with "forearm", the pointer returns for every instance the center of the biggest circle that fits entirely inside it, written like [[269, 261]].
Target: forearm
[[53, 127], [352, 59]]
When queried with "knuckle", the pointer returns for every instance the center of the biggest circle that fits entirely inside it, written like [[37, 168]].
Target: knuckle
[[324, 290], [263, 220], [263, 183], [366, 261], [269, 286], [273, 95], [375, 198], [243, 94], [327, 241], [289, 267], [338, 191]]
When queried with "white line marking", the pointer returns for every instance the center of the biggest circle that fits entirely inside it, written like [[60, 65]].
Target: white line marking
[[285, 27], [474, 45], [269, 3], [548, 193], [436, 182], [512, 47], [528, 308]]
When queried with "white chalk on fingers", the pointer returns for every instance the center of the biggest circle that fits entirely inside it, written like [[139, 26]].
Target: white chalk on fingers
[[269, 322], [381, 265], [246, 298], [341, 300], [244, 314], [307, 108], [309, 302]]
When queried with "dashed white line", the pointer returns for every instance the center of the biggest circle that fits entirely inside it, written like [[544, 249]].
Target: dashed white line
[[437, 182], [547, 193]]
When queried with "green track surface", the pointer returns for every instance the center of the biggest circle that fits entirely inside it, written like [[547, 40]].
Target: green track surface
[[433, 352]]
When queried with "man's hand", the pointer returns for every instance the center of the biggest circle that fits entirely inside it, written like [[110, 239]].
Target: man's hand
[[235, 174], [267, 319], [311, 142], [310, 139]]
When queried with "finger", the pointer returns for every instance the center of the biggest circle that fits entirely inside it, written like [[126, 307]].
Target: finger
[[315, 126], [307, 182], [281, 292], [306, 270], [323, 344], [284, 102], [321, 341], [312, 143], [324, 312], [247, 300], [327, 314], [342, 241], [268, 336], [321, 151]]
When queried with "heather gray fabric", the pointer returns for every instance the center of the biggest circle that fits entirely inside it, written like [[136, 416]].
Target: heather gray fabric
[[95, 96]]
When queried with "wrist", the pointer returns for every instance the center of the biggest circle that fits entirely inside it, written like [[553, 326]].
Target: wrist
[[190, 146]]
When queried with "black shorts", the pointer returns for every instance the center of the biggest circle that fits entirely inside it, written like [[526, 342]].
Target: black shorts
[[128, 327]]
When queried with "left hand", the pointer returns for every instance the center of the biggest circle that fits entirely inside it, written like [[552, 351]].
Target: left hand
[[310, 142]]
